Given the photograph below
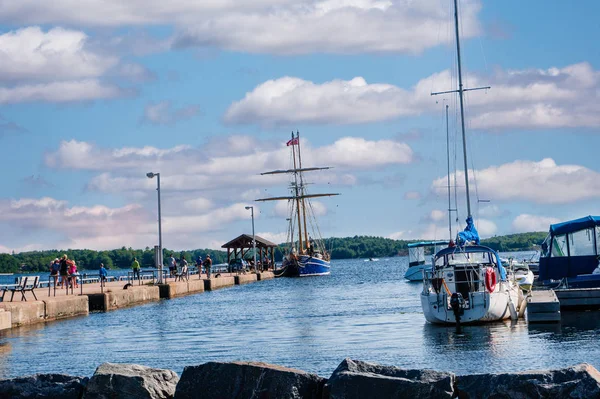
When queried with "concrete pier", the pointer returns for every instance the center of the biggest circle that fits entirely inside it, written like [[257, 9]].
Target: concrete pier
[[218, 282], [180, 288], [5, 320], [542, 307], [245, 278], [55, 304], [265, 276]]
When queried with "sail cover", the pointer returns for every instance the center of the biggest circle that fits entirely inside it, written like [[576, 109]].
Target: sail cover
[[469, 233]]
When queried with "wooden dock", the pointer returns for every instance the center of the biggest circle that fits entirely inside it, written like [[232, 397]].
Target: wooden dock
[[543, 307], [579, 298]]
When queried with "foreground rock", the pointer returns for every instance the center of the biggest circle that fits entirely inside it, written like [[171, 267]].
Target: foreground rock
[[358, 379], [247, 380], [114, 381], [581, 381], [48, 386]]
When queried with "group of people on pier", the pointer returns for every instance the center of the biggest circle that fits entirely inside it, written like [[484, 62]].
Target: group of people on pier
[[64, 272]]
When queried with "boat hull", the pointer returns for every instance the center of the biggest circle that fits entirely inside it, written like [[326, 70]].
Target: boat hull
[[484, 307], [304, 266]]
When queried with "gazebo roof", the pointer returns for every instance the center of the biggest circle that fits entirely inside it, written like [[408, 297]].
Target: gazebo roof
[[245, 241]]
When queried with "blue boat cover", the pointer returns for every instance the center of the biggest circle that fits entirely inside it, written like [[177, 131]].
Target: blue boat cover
[[474, 249], [574, 225], [469, 233]]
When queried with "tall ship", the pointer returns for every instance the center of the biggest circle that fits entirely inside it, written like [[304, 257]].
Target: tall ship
[[467, 282], [306, 253]]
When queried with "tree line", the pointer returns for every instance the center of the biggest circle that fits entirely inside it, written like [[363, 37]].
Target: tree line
[[340, 248]]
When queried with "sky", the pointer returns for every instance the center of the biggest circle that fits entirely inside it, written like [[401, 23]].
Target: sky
[[94, 94]]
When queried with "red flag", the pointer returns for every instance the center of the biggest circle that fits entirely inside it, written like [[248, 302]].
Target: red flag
[[294, 141]]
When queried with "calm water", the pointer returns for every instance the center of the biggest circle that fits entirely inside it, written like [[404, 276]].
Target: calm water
[[364, 310]]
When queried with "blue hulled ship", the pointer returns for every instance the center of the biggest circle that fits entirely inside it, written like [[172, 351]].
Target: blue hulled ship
[[306, 252]]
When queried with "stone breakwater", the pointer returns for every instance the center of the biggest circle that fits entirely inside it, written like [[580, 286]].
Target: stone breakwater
[[351, 379]]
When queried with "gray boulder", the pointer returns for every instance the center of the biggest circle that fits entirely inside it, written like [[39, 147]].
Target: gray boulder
[[357, 379], [580, 381], [47, 386], [114, 381], [241, 380]]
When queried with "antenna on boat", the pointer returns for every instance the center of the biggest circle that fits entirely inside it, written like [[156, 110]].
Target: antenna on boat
[[460, 92]]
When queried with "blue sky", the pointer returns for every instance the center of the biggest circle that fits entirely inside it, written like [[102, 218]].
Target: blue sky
[[94, 94]]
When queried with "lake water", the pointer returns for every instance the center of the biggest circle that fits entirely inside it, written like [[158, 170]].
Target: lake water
[[363, 310]]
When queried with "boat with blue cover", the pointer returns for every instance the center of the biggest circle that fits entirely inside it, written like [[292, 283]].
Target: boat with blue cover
[[306, 252], [571, 254]]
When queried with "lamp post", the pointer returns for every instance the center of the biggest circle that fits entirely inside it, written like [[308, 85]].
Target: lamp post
[[151, 175], [253, 237]]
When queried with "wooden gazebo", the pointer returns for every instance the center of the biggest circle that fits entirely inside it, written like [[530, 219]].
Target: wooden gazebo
[[242, 244]]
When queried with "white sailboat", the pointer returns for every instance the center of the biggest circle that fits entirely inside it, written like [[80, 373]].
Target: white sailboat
[[468, 283]]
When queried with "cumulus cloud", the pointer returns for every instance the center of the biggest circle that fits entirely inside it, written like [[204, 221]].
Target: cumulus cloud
[[193, 168], [543, 182], [163, 113], [551, 98], [102, 227], [267, 26], [57, 65], [526, 223]]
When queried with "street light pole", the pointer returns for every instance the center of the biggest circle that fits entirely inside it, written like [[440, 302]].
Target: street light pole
[[253, 237], [150, 175]]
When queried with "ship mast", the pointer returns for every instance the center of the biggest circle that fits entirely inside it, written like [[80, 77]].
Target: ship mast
[[460, 92], [448, 158], [306, 242], [300, 247]]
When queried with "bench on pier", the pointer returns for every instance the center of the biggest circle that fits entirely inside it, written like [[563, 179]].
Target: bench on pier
[[24, 285]]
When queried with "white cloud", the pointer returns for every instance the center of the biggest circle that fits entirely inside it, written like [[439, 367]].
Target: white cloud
[[436, 215], [58, 54], [102, 227], [60, 92], [552, 98], [277, 238], [200, 168], [267, 26], [412, 195], [542, 182], [56, 66], [526, 223], [163, 113], [486, 228]]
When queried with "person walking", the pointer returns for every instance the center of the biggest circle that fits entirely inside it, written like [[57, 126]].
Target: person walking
[[207, 265], [102, 272], [136, 268]]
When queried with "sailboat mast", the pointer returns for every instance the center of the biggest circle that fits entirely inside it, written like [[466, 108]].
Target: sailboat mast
[[448, 157], [462, 111], [300, 247], [302, 188]]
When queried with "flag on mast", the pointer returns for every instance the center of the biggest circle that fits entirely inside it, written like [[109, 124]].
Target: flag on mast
[[294, 141]]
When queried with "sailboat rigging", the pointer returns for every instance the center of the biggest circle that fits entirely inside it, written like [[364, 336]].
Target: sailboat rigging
[[468, 282], [307, 256]]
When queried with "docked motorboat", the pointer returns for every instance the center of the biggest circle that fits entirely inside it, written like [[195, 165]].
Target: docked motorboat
[[416, 258]]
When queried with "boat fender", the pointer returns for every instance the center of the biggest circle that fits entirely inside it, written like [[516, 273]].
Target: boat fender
[[490, 279]]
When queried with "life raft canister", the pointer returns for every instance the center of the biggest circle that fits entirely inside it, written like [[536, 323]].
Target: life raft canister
[[490, 279]]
